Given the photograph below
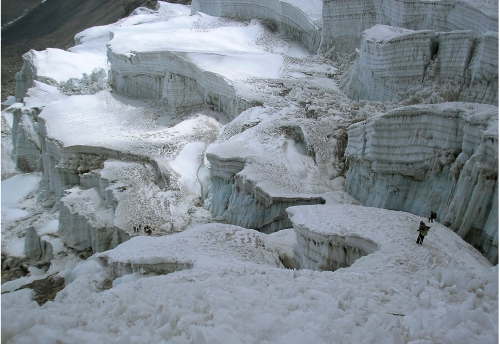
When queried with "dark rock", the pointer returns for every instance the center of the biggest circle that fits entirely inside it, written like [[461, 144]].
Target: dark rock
[[45, 289]]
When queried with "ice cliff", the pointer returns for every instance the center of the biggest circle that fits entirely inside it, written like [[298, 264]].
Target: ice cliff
[[331, 237], [445, 50], [431, 157], [174, 82], [344, 21], [397, 63]]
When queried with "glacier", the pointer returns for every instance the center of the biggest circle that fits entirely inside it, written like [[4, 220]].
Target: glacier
[[282, 151], [243, 186]]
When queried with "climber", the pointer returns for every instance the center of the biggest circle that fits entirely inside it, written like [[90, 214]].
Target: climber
[[422, 232], [432, 216]]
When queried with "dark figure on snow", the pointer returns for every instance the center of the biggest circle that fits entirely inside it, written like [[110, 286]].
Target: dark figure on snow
[[422, 232], [432, 216], [148, 230]]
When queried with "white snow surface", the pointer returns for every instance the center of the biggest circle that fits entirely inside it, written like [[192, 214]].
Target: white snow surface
[[62, 65], [218, 283], [111, 121], [230, 287]]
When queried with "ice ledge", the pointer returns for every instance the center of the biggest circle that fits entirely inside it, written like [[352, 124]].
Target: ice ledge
[[175, 82], [330, 237]]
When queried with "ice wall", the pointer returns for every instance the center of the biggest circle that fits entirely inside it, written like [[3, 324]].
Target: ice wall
[[345, 20], [87, 222], [38, 248], [299, 20], [331, 237], [435, 51], [421, 158], [329, 252], [26, 76], [239, 201], [173, 81], [261, 164], [25, 140], [397, 64]]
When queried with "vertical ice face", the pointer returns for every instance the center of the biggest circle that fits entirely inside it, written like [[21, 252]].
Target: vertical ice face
[[451, 55], [421, 158], [174, 82], [345, 20], [25, 140], [396, 64]]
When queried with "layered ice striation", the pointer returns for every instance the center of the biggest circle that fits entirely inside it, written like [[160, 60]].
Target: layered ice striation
[[191, 62], [300, 20], [433, 50], [396, 63], [442, 158], [344, 21]]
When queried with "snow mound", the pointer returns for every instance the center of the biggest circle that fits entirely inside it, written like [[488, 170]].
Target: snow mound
[[200, 247]]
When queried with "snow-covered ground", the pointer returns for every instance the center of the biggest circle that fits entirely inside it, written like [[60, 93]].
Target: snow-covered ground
[[208, 282], [226, 284]]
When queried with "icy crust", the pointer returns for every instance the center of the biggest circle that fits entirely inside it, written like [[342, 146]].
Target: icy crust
[[199, 247], [299, 20], [431, 157], [397, 64], [190, 62], [128, 126], [344, 20]]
